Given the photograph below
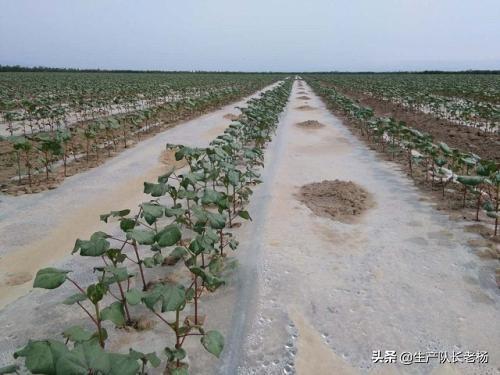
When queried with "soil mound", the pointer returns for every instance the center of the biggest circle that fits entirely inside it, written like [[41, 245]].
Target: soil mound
[[305, 108], [303, 97], [167, 157], [310, 124], [342, 201], [232, 117]]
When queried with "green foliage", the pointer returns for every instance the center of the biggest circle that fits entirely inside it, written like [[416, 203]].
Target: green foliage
[[50, 278]]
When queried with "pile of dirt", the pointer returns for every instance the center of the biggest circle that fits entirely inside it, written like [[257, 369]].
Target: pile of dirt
[[167, 157], [310, 124], [342, 201], [305, 108], [303, 97], [232, 117]]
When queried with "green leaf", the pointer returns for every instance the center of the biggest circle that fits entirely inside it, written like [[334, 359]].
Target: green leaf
[[216, 265], [211, 197], [119, 274], [233, 244], [152, 212], [175, 354], [148, 262], [77, 334], [164, 177], [127, 224], [470, 180], [78, 297], [41, 356], [233, 177], [153, 359], [11, 369], [142, 237], [96, 246], [72, 363], [172, 297], [49, 278], [95, 292], [115, 313], [488, 206], [211, 282], [168, 236], [122, 364], [169, 212], [155, 190], [245, 215], [444, 147], [178, 252], [178, 371], [121, 213], [493, 214], [216, 220], [87, 357], [155, 210], [213, 342], [133, 296]]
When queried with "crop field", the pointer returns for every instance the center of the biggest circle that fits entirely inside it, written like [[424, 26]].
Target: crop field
[[433, 103], [237, 223], [57, 124]]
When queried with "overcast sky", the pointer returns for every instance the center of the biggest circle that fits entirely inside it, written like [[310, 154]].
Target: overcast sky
[[252, 35]]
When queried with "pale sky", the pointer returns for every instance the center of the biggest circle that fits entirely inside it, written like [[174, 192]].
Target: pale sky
[[252, 35]]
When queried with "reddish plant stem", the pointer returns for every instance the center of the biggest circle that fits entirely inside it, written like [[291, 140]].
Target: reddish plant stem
[[139, 262]]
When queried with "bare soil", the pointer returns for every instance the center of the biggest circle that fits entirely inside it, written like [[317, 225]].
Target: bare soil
[[304, 97], [338, 200], [310, 124], [467, 139]]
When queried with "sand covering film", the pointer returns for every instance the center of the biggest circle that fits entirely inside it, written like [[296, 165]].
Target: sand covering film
[[310, 124], [167, 158], [342, 201], [305, 108], [232, 117]]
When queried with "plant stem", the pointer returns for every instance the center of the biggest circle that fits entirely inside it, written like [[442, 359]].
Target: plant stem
[[139, 262], [124, 302], [98, 322]]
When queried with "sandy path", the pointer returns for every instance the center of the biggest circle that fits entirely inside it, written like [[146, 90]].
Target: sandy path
[[38, 230], [317, 296]]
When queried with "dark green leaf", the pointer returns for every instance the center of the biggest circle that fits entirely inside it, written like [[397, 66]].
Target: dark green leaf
[[11, 369], [168, 236], [78, 297], [213, 342], [115, 313], [77, 334], [141, 236], [133, 296], [49, 278], [245, 215]]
